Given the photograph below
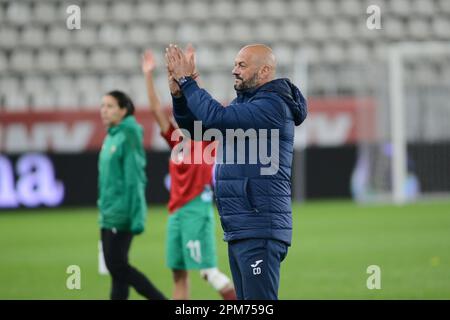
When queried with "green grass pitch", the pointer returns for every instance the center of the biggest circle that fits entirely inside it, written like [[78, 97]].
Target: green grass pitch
[[333, 244]]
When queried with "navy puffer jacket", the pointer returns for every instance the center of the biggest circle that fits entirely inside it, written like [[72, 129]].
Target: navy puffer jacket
[[251, 204]]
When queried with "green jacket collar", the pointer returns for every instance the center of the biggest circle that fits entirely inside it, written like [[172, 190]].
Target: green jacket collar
[[127, 121]]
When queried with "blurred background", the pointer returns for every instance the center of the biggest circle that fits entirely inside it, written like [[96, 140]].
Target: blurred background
[[377, 77]]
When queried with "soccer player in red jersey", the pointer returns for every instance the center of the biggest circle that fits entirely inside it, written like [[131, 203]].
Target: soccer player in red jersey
[[190, 243]]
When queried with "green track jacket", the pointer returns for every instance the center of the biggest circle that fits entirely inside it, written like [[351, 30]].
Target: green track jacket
[[122, 179]]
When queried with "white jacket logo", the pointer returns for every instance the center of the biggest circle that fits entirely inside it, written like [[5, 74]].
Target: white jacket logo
[[256, 269]]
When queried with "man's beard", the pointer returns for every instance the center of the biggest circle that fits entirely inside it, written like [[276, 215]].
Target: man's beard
[[248, 84]]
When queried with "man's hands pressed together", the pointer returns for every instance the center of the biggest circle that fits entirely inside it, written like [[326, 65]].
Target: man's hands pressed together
[[179, 64]]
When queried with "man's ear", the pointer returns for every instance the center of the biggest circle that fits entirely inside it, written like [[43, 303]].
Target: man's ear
[[264, 72]]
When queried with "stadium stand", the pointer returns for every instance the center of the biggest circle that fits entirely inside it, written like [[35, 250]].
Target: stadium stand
[[114, 33]]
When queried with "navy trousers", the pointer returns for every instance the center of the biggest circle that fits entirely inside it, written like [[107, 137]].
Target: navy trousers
[[255, 267]]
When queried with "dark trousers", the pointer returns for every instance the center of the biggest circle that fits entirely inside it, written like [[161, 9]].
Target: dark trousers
[[116, 245], [255, 266]]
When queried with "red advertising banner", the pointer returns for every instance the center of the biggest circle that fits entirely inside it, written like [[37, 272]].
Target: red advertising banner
[[330, 121]]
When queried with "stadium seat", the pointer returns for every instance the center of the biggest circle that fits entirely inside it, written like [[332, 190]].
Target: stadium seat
[[321, 80], [217, 83], [425, 73], [380, 51], [358, 52], [122, 11], [266, 31], [95, 12], [214, 32], [86, 36], [111, 35], [249, 10], [146, 11], [89, 92], [441, 27], [419, 29], [325, 8], [444, 6], [61, 82], [423, 8], [284, 55], [312, 53], [87, 83], [393, 28], [48, 60], [445, 77], [349, 77], [74, 60], [318, 30], [172, 10], [100, 59], [198, 10], [351, 8], [300, 9], [241, 32], [159, 54], [228, 54], [291, 31], [3, 62], [114, 81], [138, 34], [222, 10], [18, 13], [16, 101], [163, 90], [44, 12], [333, 52], [67, 100], [32, 37], [206, 57], [10, 84], [59, 37], [137, 90], [9, 37], [188, 32], [164, 33], [127, 59], [342, 29], [22, 60], [90, 100], [400, 8], [275, 9], [43, 101]]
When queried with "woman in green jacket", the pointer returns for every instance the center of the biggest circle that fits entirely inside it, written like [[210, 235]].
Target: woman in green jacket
[[122, 203]]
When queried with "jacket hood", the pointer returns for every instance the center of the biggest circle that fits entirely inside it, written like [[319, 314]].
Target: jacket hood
[[291, 95]]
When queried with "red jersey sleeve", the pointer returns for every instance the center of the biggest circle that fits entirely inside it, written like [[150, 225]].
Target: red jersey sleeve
[[168, 135]]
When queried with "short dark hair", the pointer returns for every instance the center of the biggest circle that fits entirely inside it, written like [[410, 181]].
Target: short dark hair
[[123, 100]]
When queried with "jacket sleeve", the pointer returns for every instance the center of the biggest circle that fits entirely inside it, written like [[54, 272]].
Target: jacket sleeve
[[134, 177], [265, 111], [183, 116]]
